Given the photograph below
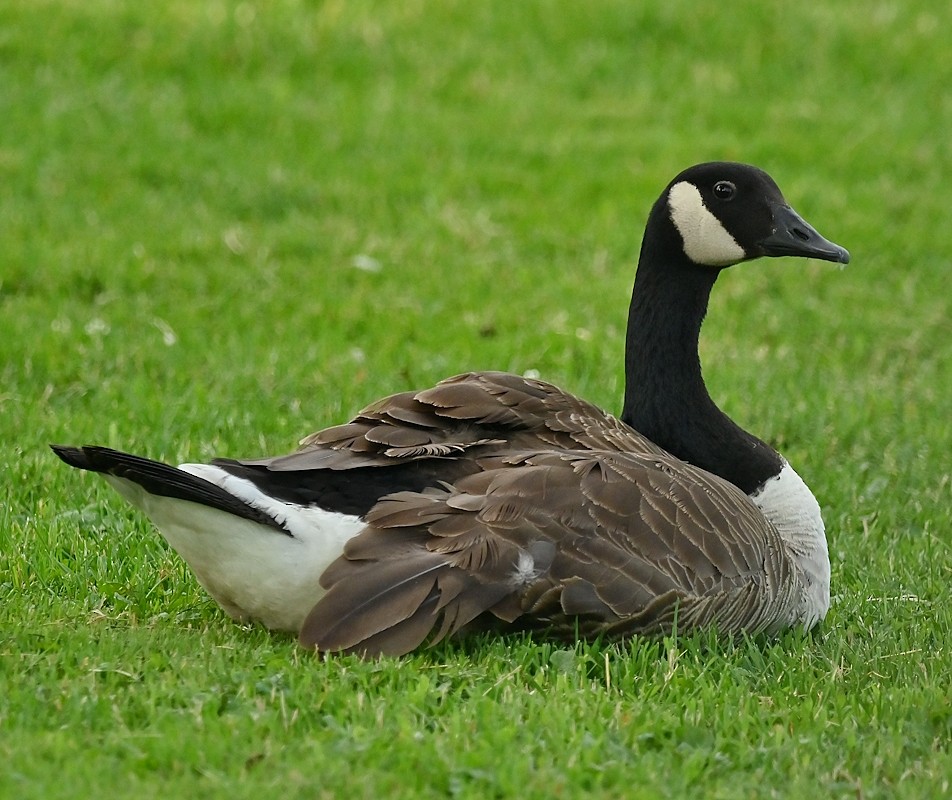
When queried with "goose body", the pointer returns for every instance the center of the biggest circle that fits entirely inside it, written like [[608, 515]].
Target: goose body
[[499, 498]]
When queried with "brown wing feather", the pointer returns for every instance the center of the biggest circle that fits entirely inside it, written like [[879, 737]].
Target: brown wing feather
[[597, 542], [474, 412]]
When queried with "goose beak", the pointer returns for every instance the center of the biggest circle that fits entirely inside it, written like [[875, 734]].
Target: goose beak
[[793, 236]]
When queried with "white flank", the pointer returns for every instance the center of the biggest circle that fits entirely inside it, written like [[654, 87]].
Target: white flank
[[252, 570], [706, 241], [790, 505]]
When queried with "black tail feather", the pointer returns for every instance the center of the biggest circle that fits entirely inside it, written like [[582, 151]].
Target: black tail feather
[[160, 479]]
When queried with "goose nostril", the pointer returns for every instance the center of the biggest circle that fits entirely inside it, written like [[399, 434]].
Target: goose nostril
[[800, 234]]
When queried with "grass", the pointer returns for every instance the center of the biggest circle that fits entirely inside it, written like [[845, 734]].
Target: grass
[[226, 224]]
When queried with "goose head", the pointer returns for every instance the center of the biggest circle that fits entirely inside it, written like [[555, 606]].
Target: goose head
[[725, 213], [709, 217]]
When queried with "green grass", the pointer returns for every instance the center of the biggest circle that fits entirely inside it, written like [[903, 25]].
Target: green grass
[[186, 190]]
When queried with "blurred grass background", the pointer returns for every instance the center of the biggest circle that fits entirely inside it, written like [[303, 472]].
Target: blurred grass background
[[226, 224]]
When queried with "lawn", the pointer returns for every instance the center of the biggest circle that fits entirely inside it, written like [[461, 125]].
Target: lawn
[[226, 224]]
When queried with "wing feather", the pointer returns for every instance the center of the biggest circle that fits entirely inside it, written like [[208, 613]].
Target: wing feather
[[473, 410], [598, 542]]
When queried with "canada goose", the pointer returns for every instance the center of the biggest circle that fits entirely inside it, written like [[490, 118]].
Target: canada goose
[[500, 497]]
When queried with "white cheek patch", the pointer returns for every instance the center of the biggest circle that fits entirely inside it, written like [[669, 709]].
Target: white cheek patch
[[705, 239]]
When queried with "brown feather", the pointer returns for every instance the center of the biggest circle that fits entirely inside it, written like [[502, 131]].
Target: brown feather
[[398, 639], [399, 588], [474, 413], [601, 542]]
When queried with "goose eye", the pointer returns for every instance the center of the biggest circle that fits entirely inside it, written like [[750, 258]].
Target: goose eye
[[724, 190]]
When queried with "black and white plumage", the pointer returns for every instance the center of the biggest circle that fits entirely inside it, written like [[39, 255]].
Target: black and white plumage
[[495, 497]]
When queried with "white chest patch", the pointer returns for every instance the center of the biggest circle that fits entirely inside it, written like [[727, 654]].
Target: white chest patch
[[705, 239], [790, 505]]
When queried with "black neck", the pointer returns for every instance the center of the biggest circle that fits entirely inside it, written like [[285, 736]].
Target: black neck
[[665, 395]]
